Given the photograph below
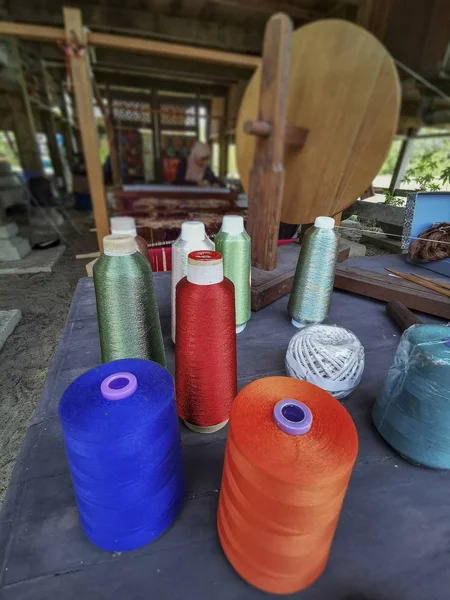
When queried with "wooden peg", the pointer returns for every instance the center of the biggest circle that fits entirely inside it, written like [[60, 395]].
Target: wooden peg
[[259, 128]]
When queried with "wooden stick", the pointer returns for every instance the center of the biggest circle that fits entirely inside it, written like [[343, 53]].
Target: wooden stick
[[88, 255], [444, 285], [430, 286]]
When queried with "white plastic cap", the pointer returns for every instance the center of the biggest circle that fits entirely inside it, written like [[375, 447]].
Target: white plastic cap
[[192, 231], [119, 245], [233, 224], [205, 267], [123, 226], [324, 222]]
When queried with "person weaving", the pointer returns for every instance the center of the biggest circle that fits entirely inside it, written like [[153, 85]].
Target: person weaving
[[196, 170]]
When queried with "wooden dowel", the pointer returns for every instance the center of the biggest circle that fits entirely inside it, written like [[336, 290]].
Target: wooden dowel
[[439, 283], [430, 286]]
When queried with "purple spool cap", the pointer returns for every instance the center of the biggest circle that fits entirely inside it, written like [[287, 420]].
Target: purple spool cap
[[292, 417], [118, 386]]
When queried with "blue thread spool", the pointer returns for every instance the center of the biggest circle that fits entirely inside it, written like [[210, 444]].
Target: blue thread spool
[[413, 412], [123, 444]]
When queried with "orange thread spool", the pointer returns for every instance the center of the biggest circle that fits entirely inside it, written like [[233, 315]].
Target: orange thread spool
[[281, 492], [205, 352]]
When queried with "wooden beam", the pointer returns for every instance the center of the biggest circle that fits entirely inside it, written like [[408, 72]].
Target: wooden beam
[[387, 288], [143, 46], [165, 23], [133, 44], [39, 33], [296, 12], [85, 109]]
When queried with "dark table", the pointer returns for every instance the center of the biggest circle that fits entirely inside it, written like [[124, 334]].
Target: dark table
[[392, 541]]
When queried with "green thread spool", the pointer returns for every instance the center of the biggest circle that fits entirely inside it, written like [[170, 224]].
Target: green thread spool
[[127, 312], [233, 242], [310, 298]]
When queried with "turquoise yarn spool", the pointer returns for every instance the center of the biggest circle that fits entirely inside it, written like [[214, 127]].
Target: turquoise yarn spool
[[413, 412]]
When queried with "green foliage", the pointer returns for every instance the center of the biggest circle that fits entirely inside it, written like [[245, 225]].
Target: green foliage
[[429, 173], [391, 199]]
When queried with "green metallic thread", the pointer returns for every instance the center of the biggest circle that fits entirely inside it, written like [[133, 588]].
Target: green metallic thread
[[235, 250], [127, 312], [310, 297]]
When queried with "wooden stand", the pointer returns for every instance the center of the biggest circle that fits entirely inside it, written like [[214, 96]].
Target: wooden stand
[[315, 124], [265, 195]]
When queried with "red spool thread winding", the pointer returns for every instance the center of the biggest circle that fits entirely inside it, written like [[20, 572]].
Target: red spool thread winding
[[206, 372], [282, 493]]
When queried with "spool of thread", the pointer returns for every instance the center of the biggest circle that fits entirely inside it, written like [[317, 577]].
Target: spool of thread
[[193, 237], [127, 312], [289, 455], [413, 412], [205, 355], [127, 226], [310, 298], [328, 356], [123, 445], [233, 243]]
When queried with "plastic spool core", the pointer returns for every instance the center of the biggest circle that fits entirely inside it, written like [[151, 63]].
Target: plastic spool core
[[118, 386], [447, 341], [292, 417]]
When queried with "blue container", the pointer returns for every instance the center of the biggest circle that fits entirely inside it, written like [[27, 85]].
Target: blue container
[[423, 210]]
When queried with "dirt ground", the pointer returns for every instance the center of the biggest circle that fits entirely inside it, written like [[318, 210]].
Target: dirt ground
[[44, 300]]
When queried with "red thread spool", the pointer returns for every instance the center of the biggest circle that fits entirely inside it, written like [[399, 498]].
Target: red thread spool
[[205, 354], [290, 451]]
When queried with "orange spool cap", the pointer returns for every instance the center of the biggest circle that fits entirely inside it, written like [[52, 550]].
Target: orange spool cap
[[290, 451]]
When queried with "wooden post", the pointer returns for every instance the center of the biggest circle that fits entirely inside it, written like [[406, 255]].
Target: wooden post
[[217, 130], [49, 126], [79, 63], [23, 119], [402, 161], [25, 132], [156, 121], [110, 134], [267, 175], [66, 127]]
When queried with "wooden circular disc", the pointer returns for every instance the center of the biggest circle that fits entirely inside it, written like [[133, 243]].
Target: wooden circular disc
[[344, 88]]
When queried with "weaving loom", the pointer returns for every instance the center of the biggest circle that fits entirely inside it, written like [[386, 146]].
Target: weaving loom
[[159, 214]]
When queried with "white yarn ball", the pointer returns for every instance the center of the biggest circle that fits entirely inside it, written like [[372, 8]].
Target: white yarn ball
[[328, 356]]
